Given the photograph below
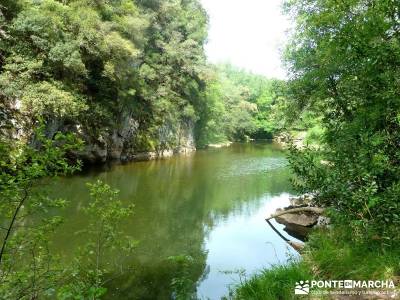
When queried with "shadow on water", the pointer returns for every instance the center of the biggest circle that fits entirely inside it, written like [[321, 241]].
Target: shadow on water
[[209, 206]]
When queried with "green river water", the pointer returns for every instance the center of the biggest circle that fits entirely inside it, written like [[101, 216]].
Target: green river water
[[209, 206]]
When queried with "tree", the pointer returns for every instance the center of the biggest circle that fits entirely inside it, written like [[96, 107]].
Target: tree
[[89, 273], [27, 268], [86, 67], [172, 70], [344, 62], [239, 105]]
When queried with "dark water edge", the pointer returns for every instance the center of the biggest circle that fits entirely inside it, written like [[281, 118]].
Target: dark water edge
[[208, 206]]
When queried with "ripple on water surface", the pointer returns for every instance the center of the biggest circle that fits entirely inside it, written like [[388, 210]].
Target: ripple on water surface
[[210, 205], [250, 166]]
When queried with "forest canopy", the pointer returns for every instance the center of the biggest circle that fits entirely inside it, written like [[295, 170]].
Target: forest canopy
[[89, 62], [240, 106]]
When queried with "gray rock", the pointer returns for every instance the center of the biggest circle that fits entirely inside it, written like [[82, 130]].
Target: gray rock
[[116, 144], [300, 219], [299, 224]]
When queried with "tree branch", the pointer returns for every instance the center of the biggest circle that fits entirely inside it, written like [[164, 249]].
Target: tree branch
[[11, 226], [295, 245]]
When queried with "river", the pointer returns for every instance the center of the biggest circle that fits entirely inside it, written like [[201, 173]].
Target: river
[[208, 206]]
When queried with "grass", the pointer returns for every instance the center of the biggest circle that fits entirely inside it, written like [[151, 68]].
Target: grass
[[275, 283], [337, 254], [330, 254]]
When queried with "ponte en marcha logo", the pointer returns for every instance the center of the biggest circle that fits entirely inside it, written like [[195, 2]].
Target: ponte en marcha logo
[[304, 287]]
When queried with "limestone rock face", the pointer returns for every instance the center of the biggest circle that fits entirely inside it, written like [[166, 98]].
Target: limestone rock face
[[116, 144], [94, 153]]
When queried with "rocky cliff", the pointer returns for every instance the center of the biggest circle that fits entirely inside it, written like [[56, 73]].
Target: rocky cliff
[[119, 144], [122, 140]]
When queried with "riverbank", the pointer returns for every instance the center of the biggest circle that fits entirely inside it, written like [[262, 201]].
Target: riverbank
[[339, 251], [220, 145], [334, 253], [186, 149], [298, 138], [153, 155]]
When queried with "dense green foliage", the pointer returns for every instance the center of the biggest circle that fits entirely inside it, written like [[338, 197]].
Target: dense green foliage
[[84, 66], [240, 105], [28, 267], [91, 63], [344, 60], [342, 253], [88, 67]]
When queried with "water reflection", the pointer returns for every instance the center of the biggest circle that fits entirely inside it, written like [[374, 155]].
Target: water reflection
[[242, 242], [209, 206]]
